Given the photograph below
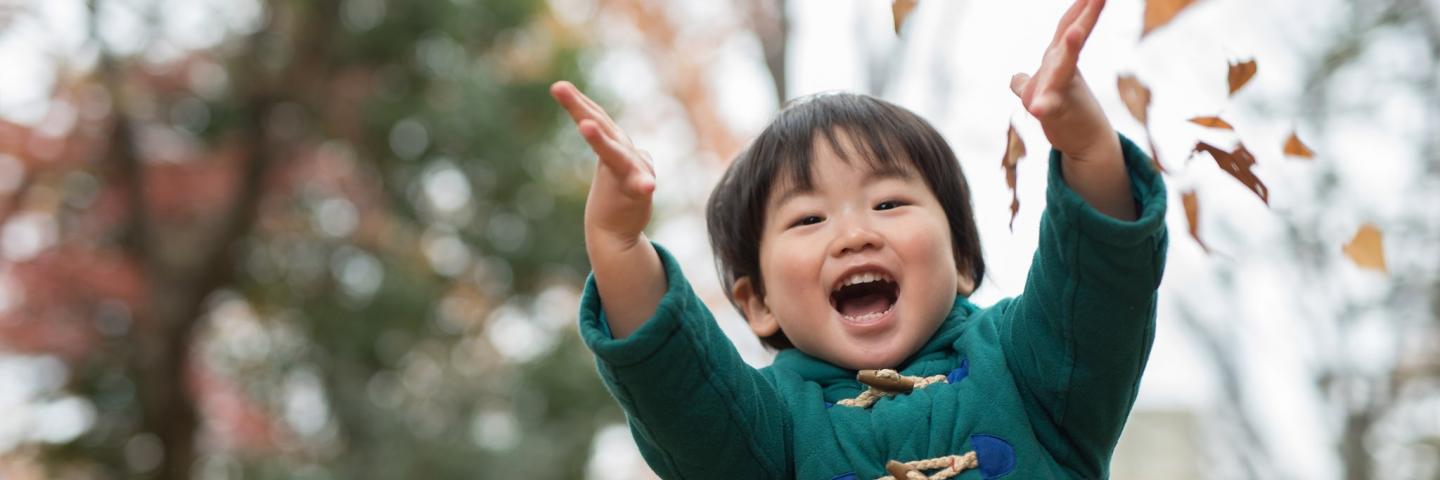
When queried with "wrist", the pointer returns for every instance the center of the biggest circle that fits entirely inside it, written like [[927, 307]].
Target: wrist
[[1104, 148], [602, 245]]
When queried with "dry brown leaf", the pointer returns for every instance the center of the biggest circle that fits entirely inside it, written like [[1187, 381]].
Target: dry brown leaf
[[1154, 155], [1014, 150], [1238, 164], [1295, 148], [1192, 213], [1160, 12], [1137, 99], [901, 9], [1240, 73], [1212, 122], [1136, 96], [1367, 249]]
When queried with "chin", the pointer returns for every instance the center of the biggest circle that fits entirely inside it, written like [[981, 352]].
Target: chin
[[876, 357]]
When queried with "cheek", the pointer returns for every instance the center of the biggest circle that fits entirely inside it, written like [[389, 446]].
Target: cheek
[[789, 268], [932, 252], [934, 243]]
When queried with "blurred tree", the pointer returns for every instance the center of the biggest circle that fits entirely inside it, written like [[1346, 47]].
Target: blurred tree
[[341, 240]]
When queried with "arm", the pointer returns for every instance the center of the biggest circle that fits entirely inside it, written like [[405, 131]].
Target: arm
[[1078, 337], [696, 409], [627, 270]]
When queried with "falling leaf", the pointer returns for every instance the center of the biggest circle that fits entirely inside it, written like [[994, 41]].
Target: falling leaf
[[1137, 99], [1366, 249], [1294, 148], [1154, 155], [1192, 213], [1136, 96], [1014, 150], [1238, 164], [1212, 122], [1240, 73], [901, 9], [1160, 12]]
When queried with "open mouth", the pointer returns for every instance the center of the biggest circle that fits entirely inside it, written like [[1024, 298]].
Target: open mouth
[[864, 296]]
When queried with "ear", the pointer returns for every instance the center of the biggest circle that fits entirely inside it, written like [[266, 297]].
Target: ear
[[964, 285], [761, 321]]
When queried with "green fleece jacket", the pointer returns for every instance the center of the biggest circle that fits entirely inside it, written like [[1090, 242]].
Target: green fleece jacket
[[1038, 385]]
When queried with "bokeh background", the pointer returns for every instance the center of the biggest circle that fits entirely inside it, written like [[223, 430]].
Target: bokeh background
[[341, 239]]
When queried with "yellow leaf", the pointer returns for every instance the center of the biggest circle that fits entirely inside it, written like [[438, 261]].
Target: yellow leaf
[[1294, 148], [1212, 122], [1014, 150], [901, 9], [1367, 248], [1136, 96], [1241, 73], [1160, 12]]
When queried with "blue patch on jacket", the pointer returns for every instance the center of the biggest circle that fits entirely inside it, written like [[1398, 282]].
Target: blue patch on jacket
[[996, 456], [960, 372]]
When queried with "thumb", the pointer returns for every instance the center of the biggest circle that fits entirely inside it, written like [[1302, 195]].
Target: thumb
[[1017, 84]]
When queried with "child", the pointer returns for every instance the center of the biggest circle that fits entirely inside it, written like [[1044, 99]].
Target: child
[[845, 237]]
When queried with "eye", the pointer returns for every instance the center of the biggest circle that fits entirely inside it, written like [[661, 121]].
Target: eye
[[807, 220], [889, 204]]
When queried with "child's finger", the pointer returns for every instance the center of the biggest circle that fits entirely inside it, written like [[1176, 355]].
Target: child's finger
[[1069, 55], [611, 153], [1017, 84], [1044, 105], [641, 184], [596, 111], [581, 107], [596, 107], [1069, 17], [560, 91], [1090, 17]]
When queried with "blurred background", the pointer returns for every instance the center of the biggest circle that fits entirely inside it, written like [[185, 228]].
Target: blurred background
[[341, 239]]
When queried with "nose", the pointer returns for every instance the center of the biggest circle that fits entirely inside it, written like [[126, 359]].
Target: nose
[[855, 235]]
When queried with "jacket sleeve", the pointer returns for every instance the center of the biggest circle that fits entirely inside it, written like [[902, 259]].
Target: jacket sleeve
[[1078, 337], [695, 408]]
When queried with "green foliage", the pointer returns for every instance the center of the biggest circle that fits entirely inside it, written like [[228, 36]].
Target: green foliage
[[409, 390], [438, 68]]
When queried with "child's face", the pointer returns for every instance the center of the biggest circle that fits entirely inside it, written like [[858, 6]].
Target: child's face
[[888, 232]]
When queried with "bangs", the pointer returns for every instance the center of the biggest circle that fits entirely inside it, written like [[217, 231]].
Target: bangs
[[876, 152]]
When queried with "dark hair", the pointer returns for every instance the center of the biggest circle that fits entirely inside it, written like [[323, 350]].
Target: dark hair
[[880, 131]]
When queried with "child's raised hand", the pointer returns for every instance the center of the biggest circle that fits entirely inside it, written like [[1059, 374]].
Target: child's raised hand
[[619, 204], [628, 273], [1073, 121], [1057, 96]]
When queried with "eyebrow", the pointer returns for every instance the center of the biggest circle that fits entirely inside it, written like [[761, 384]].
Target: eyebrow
[[875, 175]]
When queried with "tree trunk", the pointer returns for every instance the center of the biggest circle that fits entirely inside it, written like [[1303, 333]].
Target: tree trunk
[[160, 367], [1352, 445]]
